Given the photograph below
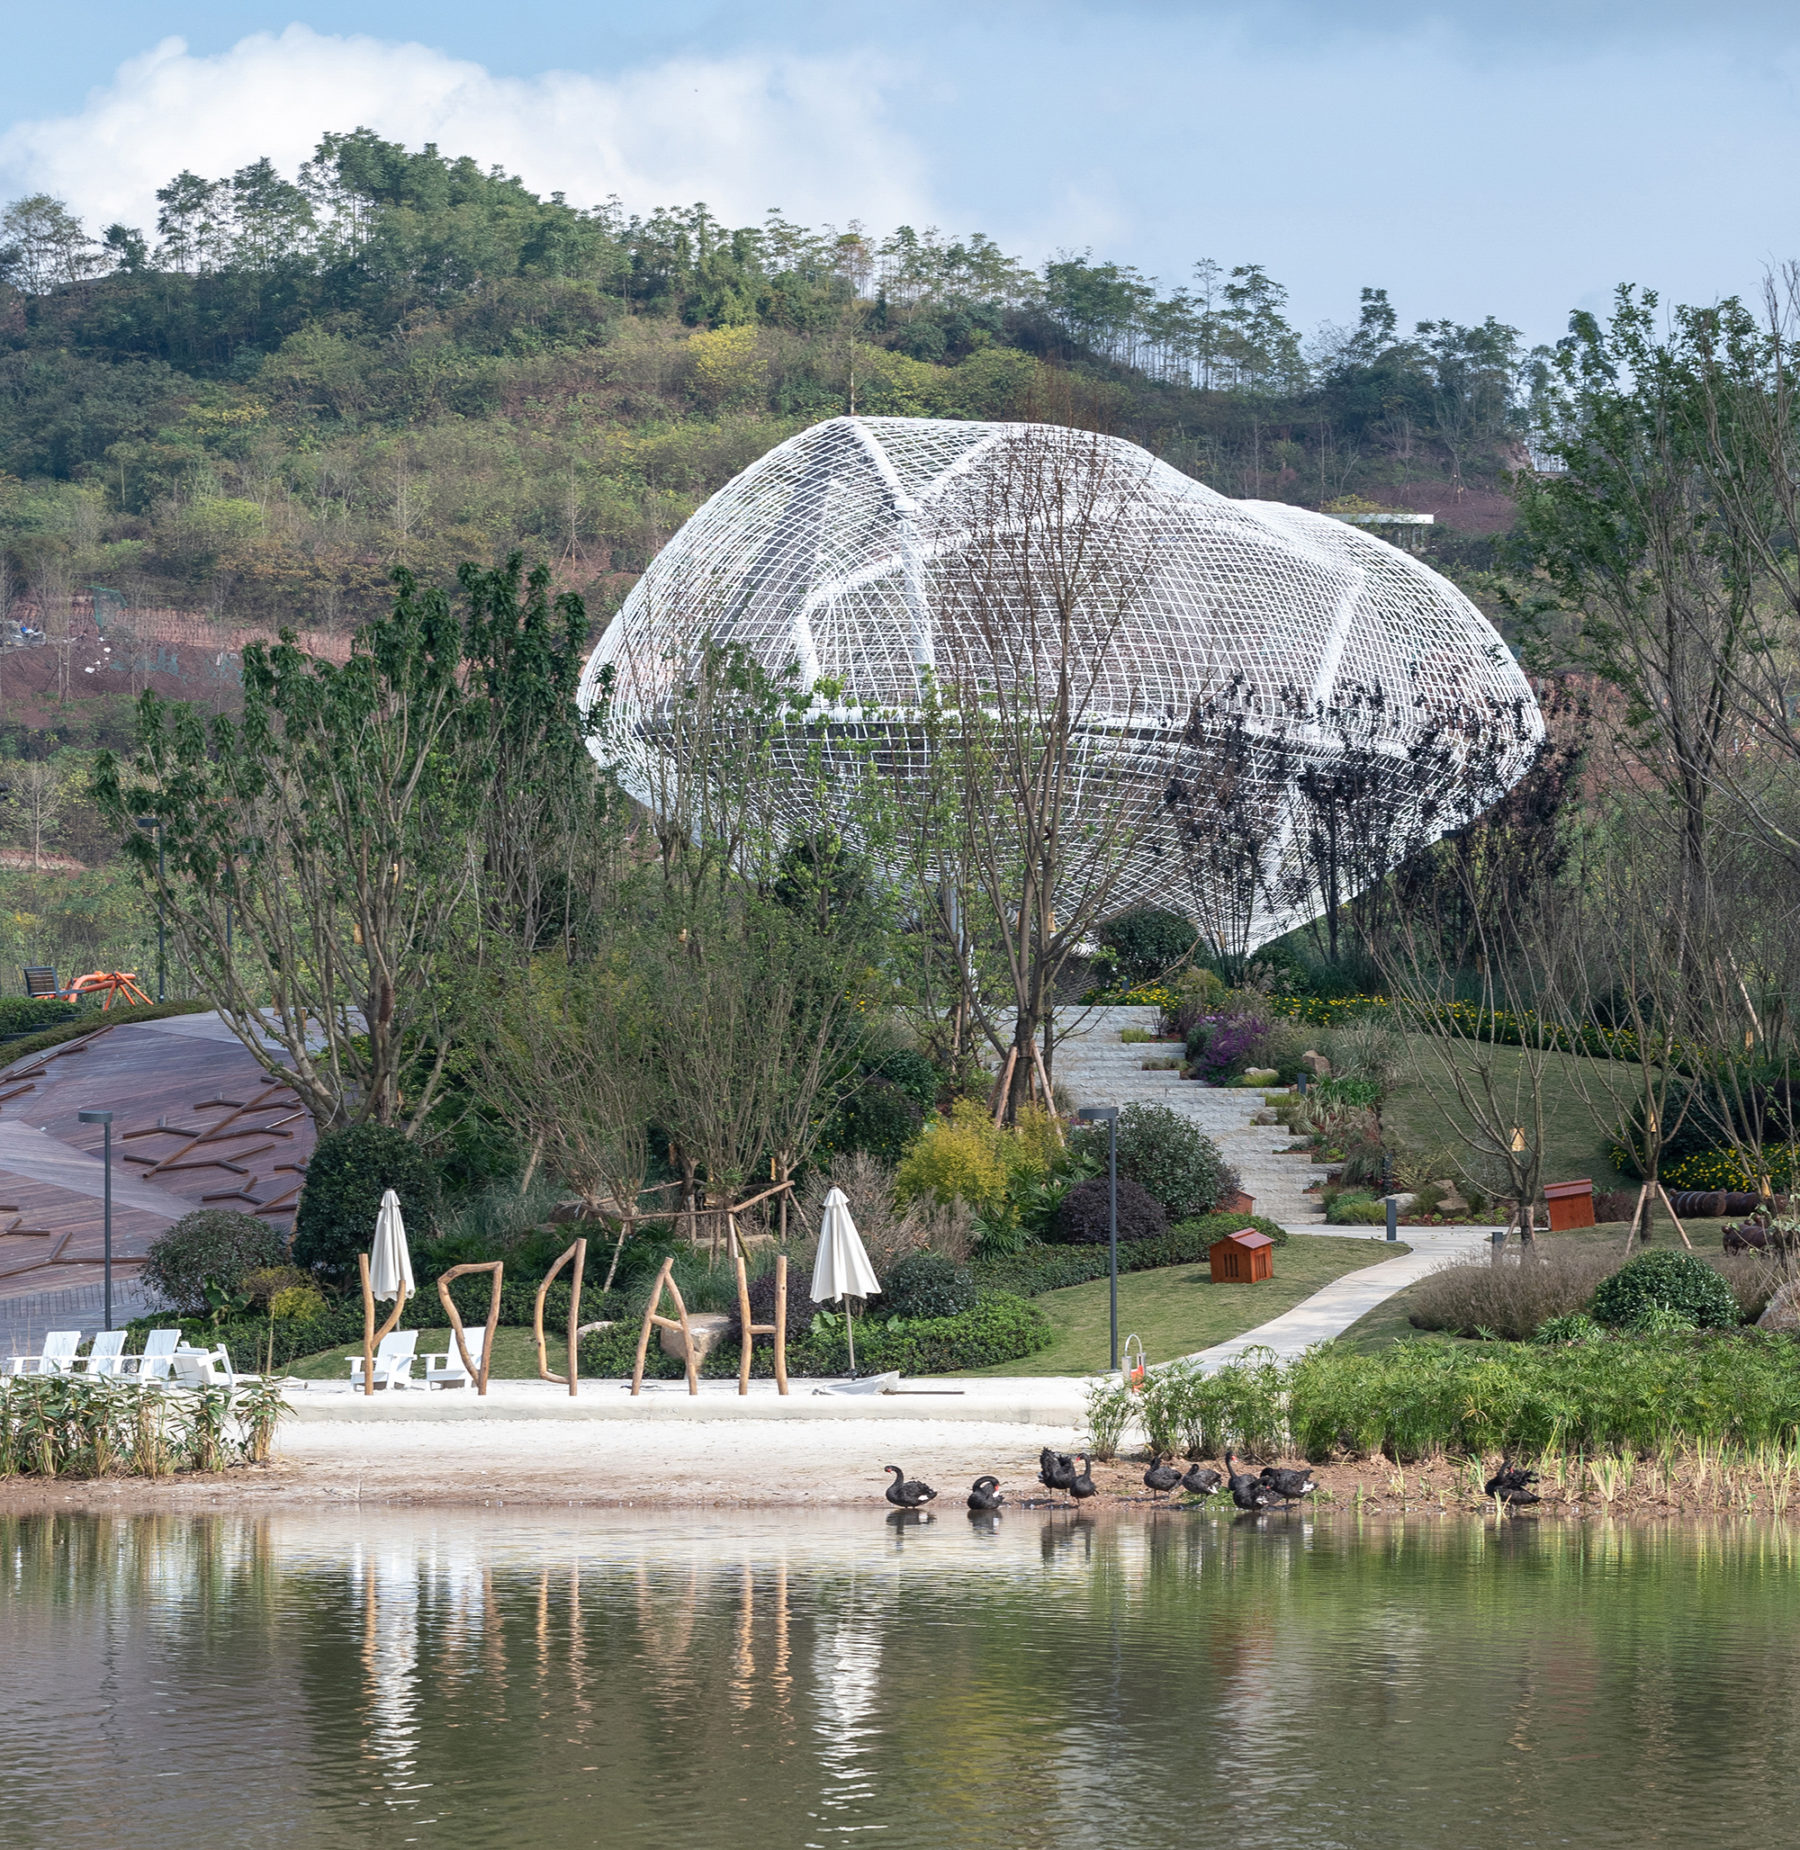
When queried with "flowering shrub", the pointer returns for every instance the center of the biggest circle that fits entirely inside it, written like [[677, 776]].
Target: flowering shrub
[[1714, 1169], [1221, 1046]]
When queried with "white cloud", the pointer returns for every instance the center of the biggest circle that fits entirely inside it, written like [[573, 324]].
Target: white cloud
[[743, 133]]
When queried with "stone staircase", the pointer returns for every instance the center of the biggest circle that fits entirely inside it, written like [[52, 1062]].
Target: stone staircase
[[1096, 1068]]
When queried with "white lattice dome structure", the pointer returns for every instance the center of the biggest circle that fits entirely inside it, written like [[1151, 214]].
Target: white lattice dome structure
[[1279, 704]]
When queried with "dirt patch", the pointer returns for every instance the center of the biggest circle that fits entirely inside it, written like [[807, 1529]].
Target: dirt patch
[[727, 1464]]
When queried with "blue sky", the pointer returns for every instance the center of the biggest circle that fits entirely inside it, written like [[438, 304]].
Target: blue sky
[[1519, 159]]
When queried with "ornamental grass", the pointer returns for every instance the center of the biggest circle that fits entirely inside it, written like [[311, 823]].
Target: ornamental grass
[[1636, 1397], [70, 1426]]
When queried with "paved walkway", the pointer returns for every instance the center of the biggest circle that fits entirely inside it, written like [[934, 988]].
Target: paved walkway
[[1332, 1310]]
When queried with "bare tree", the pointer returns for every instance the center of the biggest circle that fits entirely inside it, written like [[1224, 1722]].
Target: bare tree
[[36, 794], [1031, 597], [1489, 1094], [574, 1064], [1626, 1005]]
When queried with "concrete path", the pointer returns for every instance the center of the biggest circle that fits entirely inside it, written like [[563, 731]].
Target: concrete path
[[1332, 1310]]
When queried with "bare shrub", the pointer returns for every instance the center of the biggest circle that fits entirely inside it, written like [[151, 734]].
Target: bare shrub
[[1510, 1300], [888, 1231], [1753, 1279]]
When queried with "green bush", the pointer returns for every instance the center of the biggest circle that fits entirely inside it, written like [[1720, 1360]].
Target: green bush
[[1669, 1281], [1574, 1326], [1165, 1154], [1421, 1398], [1142, 944], [345, 1180], [877, 1117], [1353, 1209], [1001, 1328], [927, 1284], [1085, 1217], [212, 1243], [26, 1014]]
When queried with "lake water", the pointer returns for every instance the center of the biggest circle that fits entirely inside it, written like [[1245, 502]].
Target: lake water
[[765, 1682]]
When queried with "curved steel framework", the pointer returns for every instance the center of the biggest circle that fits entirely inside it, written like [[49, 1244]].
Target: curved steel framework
[[1283, 704]]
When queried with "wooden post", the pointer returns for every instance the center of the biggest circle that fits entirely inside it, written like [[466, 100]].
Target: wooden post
[[679, 1322], [781, 1320], [1676, 1218], [1005, 1086], [746, 1330], [577, 1252], [362, 1266], [1049, 1097], [371, 1335], [1640, 1217], [575, 1313], [497, 1267]]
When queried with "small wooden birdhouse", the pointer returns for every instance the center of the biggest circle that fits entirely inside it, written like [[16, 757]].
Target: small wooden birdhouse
[[1570, 1204], [1242, 1258]]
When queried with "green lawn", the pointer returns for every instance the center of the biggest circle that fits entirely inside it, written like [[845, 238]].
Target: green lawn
[[514, 1359], [1178, 1308], [1388, 1322], [1573, 1144]]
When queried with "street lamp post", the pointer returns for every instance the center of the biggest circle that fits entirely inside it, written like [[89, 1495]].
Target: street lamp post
[[105, 1117], [1109, 1116], [155, 822]]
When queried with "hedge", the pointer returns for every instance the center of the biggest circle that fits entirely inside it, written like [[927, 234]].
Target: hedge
[[91, 1021], [1050, 1268], [1001, 1328]]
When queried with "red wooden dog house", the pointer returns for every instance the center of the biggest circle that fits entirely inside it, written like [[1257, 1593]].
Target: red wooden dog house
[[1242, 1258]]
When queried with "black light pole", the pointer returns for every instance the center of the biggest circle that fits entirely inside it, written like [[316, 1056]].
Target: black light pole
[[1109, 1116], [105, 1117], [155, 822]]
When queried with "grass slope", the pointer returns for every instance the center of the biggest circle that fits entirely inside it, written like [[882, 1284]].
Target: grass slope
[[1178, 1309], [1421, 1110]]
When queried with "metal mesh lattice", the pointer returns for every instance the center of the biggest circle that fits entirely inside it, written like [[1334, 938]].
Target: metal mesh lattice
[[1274, 688]]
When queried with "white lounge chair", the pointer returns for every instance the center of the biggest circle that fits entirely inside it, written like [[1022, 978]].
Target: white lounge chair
[[394, 1358], [198, 1368], [158, 1360], [103, 1357], [53, 1359], [444, 1367]]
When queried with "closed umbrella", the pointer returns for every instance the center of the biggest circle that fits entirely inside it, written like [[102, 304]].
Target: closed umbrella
[[386, 1273], [842, 1268], [390, 1264]]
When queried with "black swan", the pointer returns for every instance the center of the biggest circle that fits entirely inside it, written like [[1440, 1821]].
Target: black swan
[[907, 1493], [984, 1494], [1512, 1485], [1247, 1492], [1201, 1481], [1161, 1476], [1081, 1486], [1289, 1486], [1056, 1470]]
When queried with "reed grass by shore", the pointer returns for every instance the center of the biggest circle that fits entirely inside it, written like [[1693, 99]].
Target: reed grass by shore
[[1636, 1397], [69, 1426]]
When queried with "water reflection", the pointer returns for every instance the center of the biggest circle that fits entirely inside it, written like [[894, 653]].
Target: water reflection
[[1024, 1679]]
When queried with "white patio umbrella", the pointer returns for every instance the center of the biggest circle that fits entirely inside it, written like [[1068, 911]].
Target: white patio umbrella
[[390, 1264], [842, 1268], [387, 1273]]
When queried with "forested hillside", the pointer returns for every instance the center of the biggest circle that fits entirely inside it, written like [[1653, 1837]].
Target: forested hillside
[[284, 388]]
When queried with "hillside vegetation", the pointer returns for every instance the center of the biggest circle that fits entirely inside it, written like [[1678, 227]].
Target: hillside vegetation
[[285, 388]]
